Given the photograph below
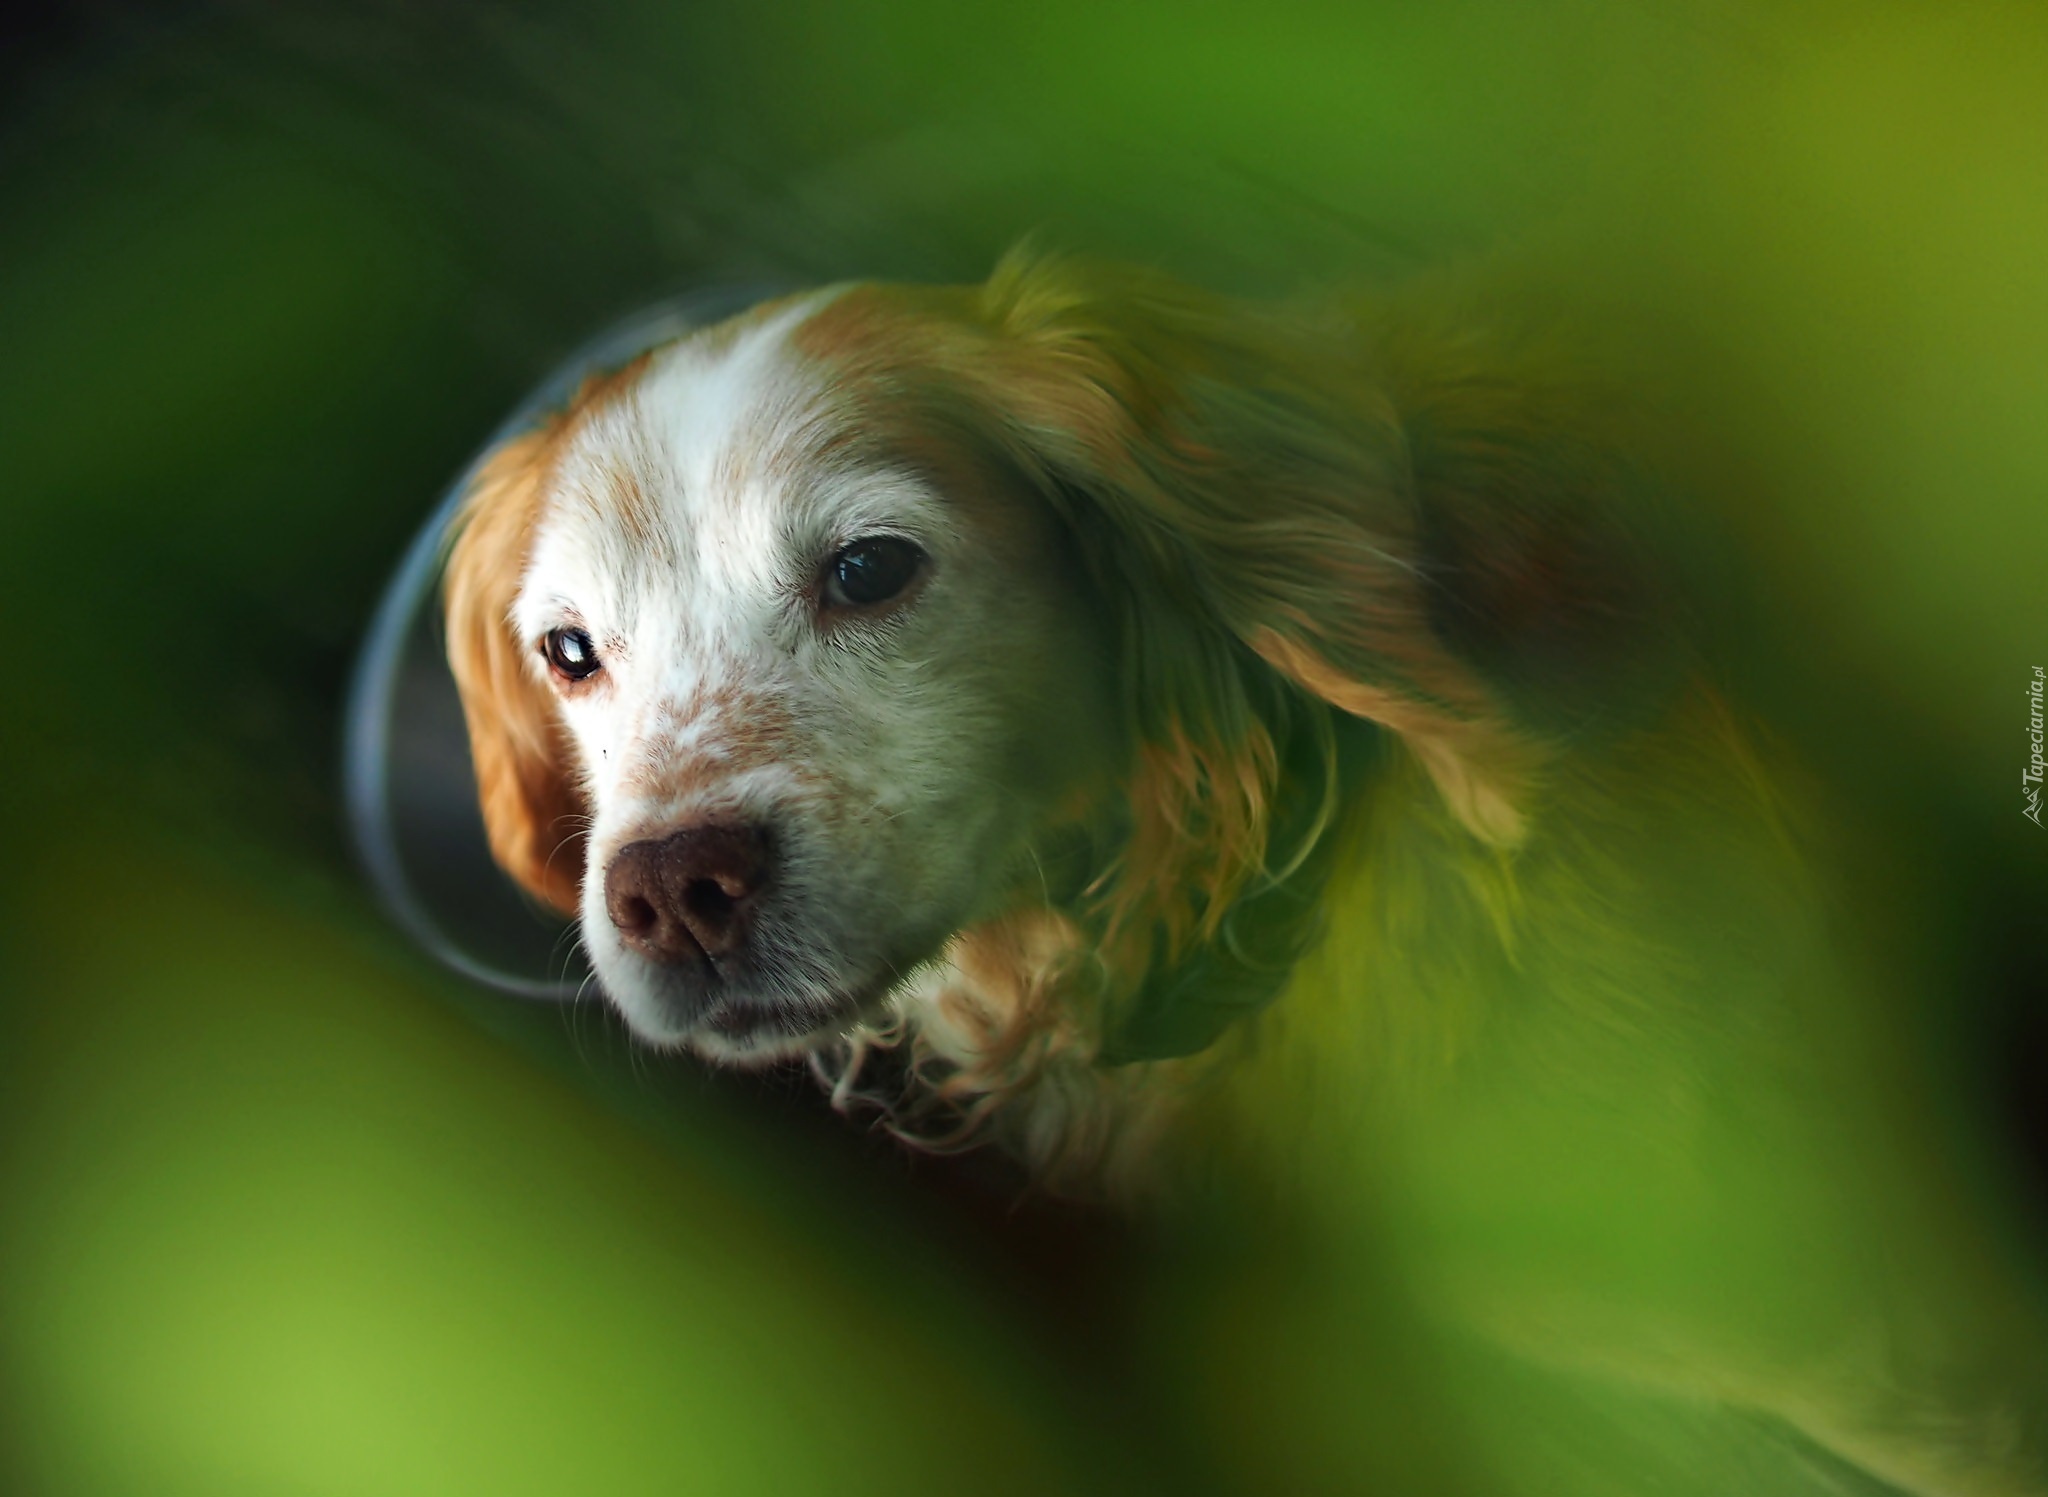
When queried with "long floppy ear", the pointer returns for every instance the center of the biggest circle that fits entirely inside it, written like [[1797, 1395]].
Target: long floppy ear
[[1256, 468], [532, 808]]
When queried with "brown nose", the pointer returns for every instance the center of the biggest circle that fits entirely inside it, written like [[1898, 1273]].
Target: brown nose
[[688, 895]]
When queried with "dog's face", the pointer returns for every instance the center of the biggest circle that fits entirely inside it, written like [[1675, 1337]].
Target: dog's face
[[787, 650], [819, 691]]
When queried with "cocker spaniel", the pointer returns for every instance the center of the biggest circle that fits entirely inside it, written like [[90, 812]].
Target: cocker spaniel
[[1194, 738]]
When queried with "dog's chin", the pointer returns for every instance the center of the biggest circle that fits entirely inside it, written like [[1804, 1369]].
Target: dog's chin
[[761, 1046], [740, 1029]]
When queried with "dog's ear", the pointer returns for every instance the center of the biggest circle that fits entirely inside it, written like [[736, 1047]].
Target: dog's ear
[[532, 808], [1255, 470]]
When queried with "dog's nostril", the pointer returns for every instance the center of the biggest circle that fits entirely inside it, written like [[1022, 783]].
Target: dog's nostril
[[711, 899], [634, 913]]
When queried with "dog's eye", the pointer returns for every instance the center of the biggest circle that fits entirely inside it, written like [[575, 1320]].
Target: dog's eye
[[570, 654], [871, 571]]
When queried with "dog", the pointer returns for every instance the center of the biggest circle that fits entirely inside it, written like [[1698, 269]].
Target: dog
[[1185, 740]]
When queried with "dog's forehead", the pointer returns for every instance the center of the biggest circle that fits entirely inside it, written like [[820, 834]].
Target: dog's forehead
[[702, 484], [684, 463]]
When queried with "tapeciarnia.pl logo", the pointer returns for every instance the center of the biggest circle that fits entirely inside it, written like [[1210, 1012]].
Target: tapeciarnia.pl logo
[[2030, 781]]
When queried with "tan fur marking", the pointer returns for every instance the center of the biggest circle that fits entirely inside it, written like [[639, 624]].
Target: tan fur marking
[[1462, 757], [532, 811]]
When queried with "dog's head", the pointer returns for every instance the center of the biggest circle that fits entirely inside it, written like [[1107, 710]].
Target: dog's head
[[804, 644]]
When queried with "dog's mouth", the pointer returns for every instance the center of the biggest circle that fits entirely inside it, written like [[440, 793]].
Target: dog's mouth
[[742, 1016], [764, 1030], [754, 1023]]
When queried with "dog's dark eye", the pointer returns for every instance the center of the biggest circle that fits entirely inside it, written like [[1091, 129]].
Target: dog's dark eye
[[570, 654], [871, 571]]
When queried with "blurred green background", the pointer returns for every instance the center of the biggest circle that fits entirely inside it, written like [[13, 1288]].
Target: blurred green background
[[282, 1209]]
